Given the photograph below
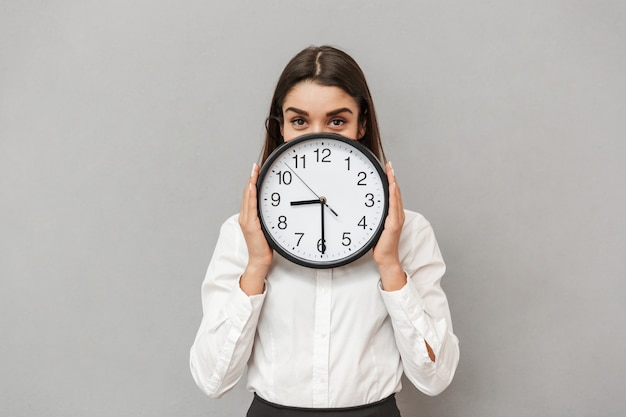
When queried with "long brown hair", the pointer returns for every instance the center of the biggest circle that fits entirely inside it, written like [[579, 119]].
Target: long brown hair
[[326, 66]]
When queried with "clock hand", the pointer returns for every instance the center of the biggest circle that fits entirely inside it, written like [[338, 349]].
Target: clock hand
[[323, 199], [331, 210], [301, 180], [300, 203], [323, 202]]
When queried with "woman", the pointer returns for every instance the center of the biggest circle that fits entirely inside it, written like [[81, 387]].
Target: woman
[[324, 342]]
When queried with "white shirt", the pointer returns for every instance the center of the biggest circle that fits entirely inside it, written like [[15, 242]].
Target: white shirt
[[325, 337]]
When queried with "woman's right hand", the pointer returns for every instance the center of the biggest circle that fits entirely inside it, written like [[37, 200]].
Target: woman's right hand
[[260, 254]]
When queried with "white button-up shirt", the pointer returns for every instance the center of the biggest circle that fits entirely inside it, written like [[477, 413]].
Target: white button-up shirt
[[325, 337]]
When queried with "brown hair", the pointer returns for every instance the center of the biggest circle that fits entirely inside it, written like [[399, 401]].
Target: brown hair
[[326, 66]]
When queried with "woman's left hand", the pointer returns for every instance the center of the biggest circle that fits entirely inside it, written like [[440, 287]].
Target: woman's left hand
[[386, 251]]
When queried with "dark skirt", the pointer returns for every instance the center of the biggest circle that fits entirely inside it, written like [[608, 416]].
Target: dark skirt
[[383, 408]]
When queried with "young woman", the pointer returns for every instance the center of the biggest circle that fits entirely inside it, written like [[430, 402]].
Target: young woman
[[324, 341]]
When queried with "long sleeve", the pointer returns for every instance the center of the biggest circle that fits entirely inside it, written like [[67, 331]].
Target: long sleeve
[[225, 338], [420, 313]]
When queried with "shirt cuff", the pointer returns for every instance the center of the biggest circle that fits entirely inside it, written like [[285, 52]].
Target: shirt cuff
[[404, 304], [406, 309], [241, 307]]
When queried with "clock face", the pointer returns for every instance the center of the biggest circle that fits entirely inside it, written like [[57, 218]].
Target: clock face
[[322, 200]]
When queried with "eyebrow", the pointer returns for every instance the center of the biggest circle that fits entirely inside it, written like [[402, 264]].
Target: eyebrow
[[330, 113]]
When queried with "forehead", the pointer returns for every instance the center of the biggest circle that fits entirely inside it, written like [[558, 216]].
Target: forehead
[[309, 95]]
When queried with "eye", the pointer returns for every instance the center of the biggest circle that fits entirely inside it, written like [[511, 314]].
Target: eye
[[298, 122], [337, 122]]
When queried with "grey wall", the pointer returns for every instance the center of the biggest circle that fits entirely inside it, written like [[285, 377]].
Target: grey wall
[[127, 132]]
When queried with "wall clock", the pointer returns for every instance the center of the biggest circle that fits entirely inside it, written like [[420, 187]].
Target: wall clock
[[322, 200]]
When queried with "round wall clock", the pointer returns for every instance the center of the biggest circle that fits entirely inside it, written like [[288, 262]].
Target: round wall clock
[[322, 200]]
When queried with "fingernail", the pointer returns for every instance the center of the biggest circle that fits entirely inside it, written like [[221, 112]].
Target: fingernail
[[253, 167], [392, 171]]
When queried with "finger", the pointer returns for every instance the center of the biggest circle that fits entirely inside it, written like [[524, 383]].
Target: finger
[[393, 186], [396, 209], [254, 174], [398, 194], [247, 194], [252, 200]]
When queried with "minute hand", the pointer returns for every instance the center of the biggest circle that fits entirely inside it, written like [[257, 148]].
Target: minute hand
[[323, 241], [307, 186]]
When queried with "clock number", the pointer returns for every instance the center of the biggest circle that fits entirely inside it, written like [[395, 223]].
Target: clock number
[[325, 155], [369, 202], [282, 222], [346, 241], [321, 246], [300, 238], [348, 161], [362, 175], [303, 158], [362, 222], [284, 177], [275, 199]]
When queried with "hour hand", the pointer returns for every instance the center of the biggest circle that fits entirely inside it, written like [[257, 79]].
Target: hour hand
[[321, 200], [303, 202]]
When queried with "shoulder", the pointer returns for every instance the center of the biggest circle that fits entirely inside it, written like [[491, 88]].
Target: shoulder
[[415, 221], [418, 244], [230, 227], [231, 221], [230, 241], [417, 232]]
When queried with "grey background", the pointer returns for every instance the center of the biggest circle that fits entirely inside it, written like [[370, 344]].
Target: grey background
[[128, 129]]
